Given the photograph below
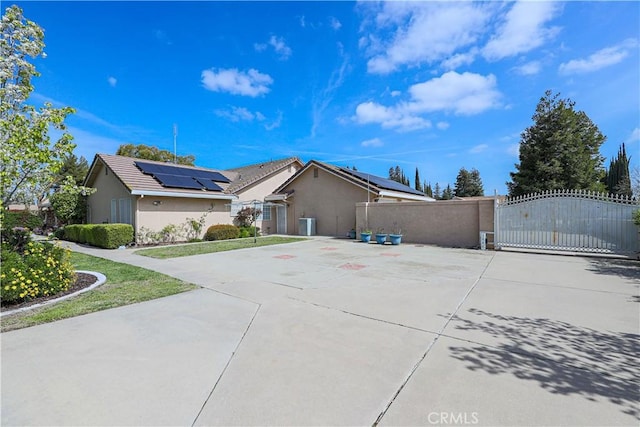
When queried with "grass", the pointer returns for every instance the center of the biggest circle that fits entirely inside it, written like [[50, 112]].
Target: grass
[[217, 246], [126, 284]]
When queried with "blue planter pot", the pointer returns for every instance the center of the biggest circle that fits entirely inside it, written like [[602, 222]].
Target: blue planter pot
[[365, 237], [381, 238], [395, 238]]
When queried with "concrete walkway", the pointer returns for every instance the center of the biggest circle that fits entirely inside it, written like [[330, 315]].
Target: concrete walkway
[[334, 332]]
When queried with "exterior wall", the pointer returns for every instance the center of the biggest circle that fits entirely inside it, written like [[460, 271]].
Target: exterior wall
[[176, 210], [262, 189], [451, 223], [328, 198], [109, 187]]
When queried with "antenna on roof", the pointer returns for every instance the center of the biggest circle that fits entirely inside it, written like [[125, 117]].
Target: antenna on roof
[[175, 134]]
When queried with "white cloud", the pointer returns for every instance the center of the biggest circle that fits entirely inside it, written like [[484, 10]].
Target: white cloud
[[276, 123], [635, 135], [424, 32], [523, 29], [251, 83], [464, 94], [395, 93], [442, 125], [335, 24], [280, 47], [112, 81], [260, 47], [459, 59], [237, 114], [375, 142], [528, 69], [600, 59], [478, 148]]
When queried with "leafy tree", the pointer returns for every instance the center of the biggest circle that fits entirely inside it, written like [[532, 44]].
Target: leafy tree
[[468, 183], [447, 193], [69, 203], [29, 160], [617, 178], [417, 182], [561, 150], [147, 152], [246, 216]]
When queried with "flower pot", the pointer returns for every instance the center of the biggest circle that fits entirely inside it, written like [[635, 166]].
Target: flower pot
[[381, 238], [365, 237], [395, 238]]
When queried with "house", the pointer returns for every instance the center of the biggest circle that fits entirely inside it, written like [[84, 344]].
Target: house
[[153, 195], [329, 194]]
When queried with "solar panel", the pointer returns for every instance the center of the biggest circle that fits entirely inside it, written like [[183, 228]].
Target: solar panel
[[387, 184], [177, 181], [209, 185], [152, 169]]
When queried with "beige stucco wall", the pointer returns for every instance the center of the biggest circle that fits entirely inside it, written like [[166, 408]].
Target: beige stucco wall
[[451, 223], [109, 187], [262, 189], [328, 198], [176, 210]]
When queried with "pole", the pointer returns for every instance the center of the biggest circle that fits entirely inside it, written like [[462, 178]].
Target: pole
[[175, 134]]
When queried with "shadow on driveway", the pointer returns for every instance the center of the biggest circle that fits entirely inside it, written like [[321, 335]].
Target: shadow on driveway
[[562, 358]]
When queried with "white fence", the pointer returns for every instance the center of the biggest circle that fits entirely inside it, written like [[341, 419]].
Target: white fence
[[568, 220]]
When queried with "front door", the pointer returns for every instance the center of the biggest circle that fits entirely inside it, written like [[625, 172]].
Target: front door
[[281, 225]]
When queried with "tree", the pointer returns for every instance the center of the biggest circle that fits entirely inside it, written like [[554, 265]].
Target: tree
[[28, 158], [561, 150], [447, 193], [147, 152], [397, 174], [74, 167], [69, 203], [617, 178], [427, 189], [468, 183], [417, 182], [436, 191]]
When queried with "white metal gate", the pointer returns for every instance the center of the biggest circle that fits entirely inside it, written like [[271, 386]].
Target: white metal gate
[[568, 220]]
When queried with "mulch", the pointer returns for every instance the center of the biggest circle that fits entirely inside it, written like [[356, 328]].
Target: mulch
[[83, 280]]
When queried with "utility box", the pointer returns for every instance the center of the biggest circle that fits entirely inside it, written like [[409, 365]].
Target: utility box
[[307, 227]]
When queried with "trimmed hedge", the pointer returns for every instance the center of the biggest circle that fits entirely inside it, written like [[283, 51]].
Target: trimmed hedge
[[222, 232], [108, 236], [30, 220]]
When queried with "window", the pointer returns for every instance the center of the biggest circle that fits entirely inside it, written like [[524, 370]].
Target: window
[[121, 211], [235, 208], [266, 213]]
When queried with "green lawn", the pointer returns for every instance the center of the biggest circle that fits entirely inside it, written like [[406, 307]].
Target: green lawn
[[217, 246], [126, 284]]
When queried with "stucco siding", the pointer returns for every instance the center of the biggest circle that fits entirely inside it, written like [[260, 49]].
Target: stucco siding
[[455, 223], [328, 198], [108, 188]]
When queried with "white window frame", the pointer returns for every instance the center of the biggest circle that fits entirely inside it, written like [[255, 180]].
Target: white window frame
[[266, 213]]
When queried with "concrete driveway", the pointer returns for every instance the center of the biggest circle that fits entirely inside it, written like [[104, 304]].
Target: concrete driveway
[[334, 332]]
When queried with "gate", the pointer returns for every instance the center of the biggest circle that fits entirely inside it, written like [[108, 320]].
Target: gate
[[570, 220]]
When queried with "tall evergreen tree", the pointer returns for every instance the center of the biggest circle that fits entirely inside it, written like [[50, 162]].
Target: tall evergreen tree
[[617, 178], [468, 183], [427, 189], [418, 183], [561, 150], [436, 191]]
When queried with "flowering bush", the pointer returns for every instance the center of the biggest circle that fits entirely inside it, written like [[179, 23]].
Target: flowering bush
[[42, 269]]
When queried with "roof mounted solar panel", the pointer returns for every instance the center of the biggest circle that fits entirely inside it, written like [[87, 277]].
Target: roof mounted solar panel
[[153, 168], [209, 185], [178, 181], [387, 184], [211, 175]]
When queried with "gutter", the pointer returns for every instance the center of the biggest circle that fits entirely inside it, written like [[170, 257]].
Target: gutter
[[408, 196], [183, 195]]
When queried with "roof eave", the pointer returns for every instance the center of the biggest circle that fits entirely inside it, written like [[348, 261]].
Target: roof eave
[[183, 195], [407, 196]]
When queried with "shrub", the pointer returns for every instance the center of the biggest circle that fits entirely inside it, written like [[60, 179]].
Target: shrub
[[636, 217], [43, 269], [249, 231], [12, 219], [222, 232], [17, 239], [246, 216], [108, 236]]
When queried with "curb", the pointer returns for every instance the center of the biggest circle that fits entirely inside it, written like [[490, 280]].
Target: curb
[[101, 280]]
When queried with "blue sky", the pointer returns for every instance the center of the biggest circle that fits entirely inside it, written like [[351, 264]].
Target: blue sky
[[433, 85]]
